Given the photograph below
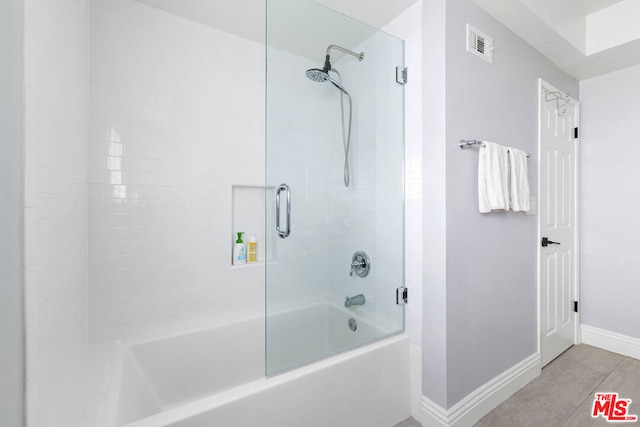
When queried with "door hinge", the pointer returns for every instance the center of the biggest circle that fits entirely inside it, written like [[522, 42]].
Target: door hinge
[[575, 133], [401, 75], [575, 306], [402, 295]]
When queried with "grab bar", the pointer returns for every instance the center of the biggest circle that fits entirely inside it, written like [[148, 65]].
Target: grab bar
[[283, 234]]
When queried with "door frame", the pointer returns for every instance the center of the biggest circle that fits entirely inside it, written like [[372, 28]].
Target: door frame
[[577, 336]]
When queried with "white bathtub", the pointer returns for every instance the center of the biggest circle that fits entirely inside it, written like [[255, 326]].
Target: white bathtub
[[158, 375], [215, 377]]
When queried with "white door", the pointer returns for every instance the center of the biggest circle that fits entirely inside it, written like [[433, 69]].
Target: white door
[[557, 220]]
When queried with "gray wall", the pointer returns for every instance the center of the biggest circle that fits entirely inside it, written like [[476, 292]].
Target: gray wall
[[490, 279], [11, 318], [609, 202]]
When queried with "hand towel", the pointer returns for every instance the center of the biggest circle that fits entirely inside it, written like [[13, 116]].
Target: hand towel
[[493, 178], [519, 180]]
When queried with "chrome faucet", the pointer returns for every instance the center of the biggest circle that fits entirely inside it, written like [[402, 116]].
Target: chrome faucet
[[356, 300]]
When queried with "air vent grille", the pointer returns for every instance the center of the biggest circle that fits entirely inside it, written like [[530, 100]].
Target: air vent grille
[[479, 44]]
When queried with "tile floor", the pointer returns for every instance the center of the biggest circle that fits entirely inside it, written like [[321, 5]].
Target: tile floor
[[409, 422], [562, 396]]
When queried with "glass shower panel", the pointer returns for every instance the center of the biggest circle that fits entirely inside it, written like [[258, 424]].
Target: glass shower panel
[[335, 190]]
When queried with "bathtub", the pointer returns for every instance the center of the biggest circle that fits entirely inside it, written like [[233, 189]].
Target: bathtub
[[215, 377]]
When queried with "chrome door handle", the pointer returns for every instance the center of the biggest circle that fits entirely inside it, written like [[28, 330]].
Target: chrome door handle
[[283, 233]]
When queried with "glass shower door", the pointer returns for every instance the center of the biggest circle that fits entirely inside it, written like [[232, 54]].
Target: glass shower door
[[335, 189]]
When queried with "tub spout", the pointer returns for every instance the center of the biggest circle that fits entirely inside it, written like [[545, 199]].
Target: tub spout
[[356, 300]]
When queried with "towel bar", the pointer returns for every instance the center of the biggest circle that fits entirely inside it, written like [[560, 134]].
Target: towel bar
[[465, 143]]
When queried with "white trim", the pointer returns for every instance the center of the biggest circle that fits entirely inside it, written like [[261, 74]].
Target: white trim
[[538, 225], [432, 414], [480, 402], [577, 335], [611, 341]]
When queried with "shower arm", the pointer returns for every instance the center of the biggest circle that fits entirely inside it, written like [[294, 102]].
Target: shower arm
[[360, 55]]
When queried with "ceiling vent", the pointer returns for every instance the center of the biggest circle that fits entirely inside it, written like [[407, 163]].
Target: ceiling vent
[[479, 44]]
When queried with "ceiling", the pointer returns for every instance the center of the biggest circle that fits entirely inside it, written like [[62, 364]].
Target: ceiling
[[316, 27], [241, 17], [586, 38]]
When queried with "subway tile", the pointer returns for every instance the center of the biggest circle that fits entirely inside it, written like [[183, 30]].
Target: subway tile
[[98, 132], [159, 213], [115, 149], [116, 177], [98, 176], [113, 163], [97, 148]]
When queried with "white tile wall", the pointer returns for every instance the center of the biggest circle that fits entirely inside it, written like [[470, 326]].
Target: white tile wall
[[11, 208], [177, 119], [56, 116]]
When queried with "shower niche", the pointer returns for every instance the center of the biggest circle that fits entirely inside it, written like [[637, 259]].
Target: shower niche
[[335, 139], [247, 204]]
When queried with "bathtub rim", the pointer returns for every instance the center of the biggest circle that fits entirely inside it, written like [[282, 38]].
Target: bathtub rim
[[135, 341]]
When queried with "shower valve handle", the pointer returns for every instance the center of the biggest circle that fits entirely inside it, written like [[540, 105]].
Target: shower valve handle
[[360, 264]]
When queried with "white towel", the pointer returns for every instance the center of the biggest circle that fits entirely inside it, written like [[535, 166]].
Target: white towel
[[493, 178], [519, 180]]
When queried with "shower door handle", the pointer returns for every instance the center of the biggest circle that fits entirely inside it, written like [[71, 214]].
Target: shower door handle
[[283, 233]]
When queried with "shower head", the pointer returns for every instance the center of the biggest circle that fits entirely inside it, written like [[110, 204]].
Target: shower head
[[318, 75], [321, 76]]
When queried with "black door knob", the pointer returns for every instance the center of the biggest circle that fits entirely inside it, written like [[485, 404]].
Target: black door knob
[[546, 242]]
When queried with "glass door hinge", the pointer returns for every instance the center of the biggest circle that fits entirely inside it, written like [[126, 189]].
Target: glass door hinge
[[402, 295], [401, 75]]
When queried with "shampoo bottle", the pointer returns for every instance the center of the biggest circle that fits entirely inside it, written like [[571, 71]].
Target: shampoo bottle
[[239, 251], [252, 249]]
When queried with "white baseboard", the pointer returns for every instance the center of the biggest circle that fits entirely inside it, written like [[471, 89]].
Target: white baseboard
[[480, 402], [611, 341]]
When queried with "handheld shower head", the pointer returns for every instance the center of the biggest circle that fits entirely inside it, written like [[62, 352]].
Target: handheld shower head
[[321, 76], [317, 75]]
